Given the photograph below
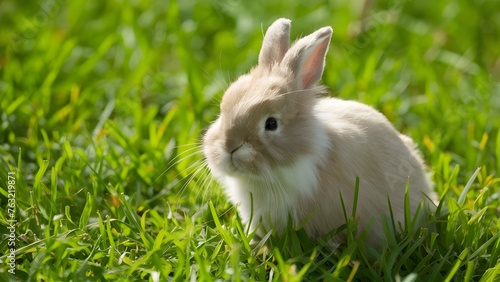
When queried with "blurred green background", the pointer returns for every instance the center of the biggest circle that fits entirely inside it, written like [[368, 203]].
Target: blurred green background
[[100, 98]]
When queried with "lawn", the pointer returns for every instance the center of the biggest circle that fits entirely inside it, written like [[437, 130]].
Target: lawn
[[103, 105]]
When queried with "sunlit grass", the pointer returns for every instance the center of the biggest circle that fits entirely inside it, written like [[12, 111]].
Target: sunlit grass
[[102, 106]]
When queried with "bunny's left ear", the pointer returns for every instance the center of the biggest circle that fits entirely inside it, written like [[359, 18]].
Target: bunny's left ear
[[306, 58], [276, 42]]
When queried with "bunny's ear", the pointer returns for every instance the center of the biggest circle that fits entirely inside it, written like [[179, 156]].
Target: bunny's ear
[[306, 58], [276, 43]]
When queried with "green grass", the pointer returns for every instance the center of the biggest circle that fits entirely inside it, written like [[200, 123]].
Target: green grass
[[102, 105]]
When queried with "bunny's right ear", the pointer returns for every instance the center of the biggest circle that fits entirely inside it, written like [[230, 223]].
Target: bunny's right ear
[[276, 43], [306, 58]]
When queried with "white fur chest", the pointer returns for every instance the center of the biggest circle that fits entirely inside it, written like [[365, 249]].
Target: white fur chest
[[273, 197]]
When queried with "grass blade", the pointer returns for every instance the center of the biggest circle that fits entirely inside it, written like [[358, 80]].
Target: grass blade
[[87, 210], [463, 195], [459, 262]]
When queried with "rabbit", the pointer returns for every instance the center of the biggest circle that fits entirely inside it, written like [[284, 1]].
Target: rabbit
[[282, 151]]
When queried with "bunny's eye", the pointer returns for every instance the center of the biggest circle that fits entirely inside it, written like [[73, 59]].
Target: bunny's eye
[[271, 124]]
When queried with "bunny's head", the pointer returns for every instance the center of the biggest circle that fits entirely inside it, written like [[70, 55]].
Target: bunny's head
[[266, 116]]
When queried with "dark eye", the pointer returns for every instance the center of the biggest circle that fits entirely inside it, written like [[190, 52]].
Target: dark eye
[[271, 124]]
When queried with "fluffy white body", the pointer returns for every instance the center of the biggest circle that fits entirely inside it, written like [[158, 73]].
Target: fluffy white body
[[281, 152]]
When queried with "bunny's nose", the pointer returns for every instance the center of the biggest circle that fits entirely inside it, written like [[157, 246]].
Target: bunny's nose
[[235, 148]]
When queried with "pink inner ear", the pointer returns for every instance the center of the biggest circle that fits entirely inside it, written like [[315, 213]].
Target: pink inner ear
[[312, 67]]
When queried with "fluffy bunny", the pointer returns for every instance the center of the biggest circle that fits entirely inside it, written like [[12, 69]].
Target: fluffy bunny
[[281, 152]]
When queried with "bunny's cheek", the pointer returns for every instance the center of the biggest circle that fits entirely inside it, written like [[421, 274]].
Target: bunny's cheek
[[216, 159]]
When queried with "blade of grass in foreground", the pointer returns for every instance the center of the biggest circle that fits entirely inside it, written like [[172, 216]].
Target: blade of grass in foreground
[[86, 212], [227, 238], [463, 195], [136, 222], [458, 263]]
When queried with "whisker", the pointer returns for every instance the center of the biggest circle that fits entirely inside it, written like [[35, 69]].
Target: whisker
[[184, 155], [191, 176], [178, 160], [189, 145], [207, 179]]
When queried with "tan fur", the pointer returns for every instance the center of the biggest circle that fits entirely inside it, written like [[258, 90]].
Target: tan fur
[[319, 148]]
